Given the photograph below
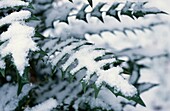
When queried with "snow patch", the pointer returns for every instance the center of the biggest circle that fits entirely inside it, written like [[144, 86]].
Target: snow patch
[[2, 64], [47, 105], [19, 44], [15, 16], [12, 3]]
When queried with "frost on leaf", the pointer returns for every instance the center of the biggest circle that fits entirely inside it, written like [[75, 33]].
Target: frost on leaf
[[141, 11], [86, 56], [112, 78]]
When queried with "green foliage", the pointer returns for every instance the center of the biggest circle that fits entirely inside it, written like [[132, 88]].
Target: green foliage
[[2, 72], [96, 11], [131, 9], [81, 15], [58, 55], [76, 47], [112, 12], [135, 98]]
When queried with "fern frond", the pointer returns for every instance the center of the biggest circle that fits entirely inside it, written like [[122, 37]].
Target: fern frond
[[83, 55], [17, 22], [9, 99], [16, 38], [15, 3], [78, 29], [131, 9], [89, 1]]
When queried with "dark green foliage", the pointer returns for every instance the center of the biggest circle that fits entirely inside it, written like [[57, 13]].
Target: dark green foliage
[[96, 12], [131, 9], [112, 12], [90, 2], [39, 60], [85, 84], [126, 9]]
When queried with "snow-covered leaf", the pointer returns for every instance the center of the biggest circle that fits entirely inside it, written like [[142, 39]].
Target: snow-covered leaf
[[113, 12], [96, 12], [93, 68], [47, 105], [9, 99], [90, 2], [20, 50], [81, 15], [135, 98], [140, 11], [126, 10]]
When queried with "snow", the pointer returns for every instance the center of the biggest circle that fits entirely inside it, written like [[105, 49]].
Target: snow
[[78, 28], [19, 44], [47, 105], [127, 6], [15, 16], [139, 6], [66, 50], [53, 14], [98, 102], [86, 56], [12, 3], [9, 99], [88, 63], [151, 43], [143, 43], [18, 35], [61, 45], [2, 64], [112, 78]]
